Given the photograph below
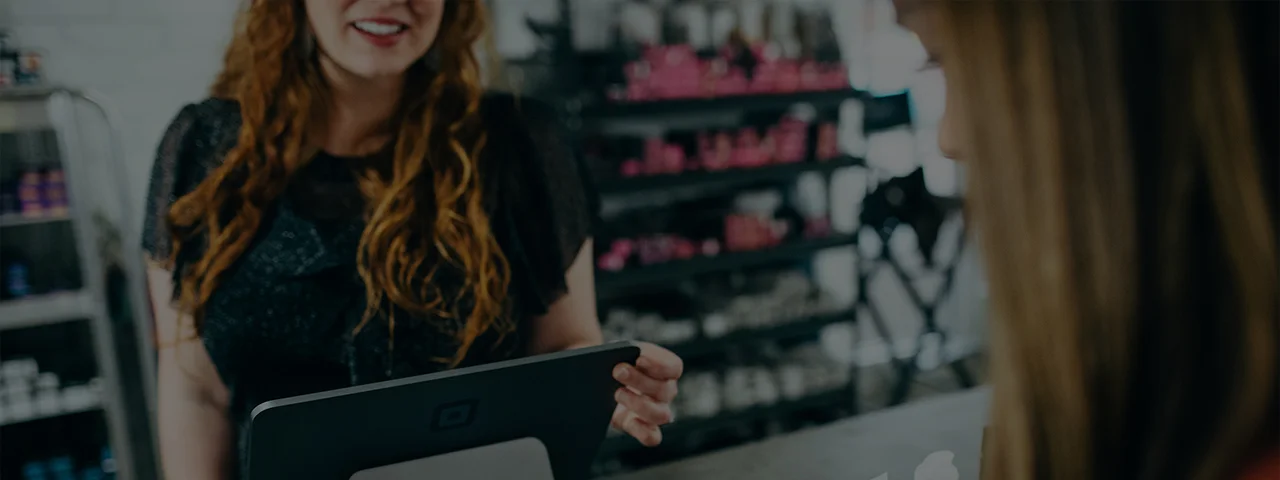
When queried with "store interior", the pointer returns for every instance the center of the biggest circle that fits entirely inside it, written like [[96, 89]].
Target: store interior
[[774, 210]]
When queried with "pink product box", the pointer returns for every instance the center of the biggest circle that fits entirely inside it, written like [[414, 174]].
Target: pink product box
[[817, 227], [716, 151], [676, 71], [662, 158], [746, 149], [788, 77], [638, 81], [55, 193], [834, 77], [828, 146]]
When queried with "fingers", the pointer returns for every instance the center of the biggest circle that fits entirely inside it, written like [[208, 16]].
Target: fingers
[[627, 421], [651, 412], [661, 390], [659, 363]]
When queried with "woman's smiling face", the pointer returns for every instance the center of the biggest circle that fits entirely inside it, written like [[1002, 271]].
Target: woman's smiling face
[[373, 39]]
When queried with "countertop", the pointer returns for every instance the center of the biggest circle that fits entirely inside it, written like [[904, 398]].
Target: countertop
[[893, 441]]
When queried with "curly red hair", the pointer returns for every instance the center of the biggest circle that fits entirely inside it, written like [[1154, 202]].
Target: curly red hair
[[423, 213]]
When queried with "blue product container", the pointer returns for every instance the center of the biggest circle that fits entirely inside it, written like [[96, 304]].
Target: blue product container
[[35, 471], [62, 468], [16, 281], [108, 464]]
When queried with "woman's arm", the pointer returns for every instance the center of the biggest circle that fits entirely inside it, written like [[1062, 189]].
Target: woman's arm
[[195, 433], [571, 322], [649, 387]]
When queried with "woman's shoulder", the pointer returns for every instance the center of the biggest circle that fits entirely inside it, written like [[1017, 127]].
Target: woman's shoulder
[[196, 133], [211, 115]]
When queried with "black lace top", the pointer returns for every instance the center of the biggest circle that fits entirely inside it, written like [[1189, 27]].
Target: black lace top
[[280, 323]]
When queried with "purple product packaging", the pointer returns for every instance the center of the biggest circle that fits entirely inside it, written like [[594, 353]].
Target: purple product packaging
[[29, 194], [54, 192]]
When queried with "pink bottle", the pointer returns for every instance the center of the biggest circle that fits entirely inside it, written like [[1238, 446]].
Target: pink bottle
[[733, 84], [632, 167], [655, 149], [639, 81], [811, 77], [721, 157], [746, 152], [788, 76], [828, 142], [673, 159]]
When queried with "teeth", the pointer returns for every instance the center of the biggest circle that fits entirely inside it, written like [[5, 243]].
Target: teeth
[[376, 28]]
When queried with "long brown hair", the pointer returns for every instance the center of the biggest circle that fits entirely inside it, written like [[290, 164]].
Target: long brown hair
[[424, 212], [1118, 188]]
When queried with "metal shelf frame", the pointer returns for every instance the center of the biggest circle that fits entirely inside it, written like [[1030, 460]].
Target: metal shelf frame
[[57, 109]]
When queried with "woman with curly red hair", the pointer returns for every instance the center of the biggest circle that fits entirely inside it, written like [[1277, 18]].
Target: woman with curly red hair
[[351, 206]]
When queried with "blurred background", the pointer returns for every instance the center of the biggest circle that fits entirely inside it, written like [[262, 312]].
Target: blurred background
[[775, 209]]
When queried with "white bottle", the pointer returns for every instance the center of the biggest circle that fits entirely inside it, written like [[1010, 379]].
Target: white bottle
[[938, 466]]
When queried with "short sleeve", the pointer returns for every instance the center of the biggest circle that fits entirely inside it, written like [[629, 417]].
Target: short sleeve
[[547, 203], [171, 178], [573, 198]]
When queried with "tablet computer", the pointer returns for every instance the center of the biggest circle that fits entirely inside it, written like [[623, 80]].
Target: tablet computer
[[563, 400]]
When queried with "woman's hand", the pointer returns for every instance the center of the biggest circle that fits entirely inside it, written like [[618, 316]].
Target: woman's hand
[[644, 401]]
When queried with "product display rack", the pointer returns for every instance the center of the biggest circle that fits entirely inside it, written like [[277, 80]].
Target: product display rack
[[623, 186], [737, 103], [613, 284], [805, 326], [908, 368], [588, 112], [55, 111]]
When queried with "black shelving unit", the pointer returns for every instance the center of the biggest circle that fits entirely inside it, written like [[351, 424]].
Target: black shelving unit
[[783, 330], [627, 110], [612, 284], [586, 112], [622, 186], [675, 433]]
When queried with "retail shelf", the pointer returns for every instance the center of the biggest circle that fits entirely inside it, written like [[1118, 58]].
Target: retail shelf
[[91, 407], [674, 433], [620, 110], [609, 284], [737, 175], [782, 330], [17, 220], [28, 92], [45, 309]]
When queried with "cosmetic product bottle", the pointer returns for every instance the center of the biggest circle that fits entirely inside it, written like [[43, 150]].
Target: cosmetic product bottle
[[108, 464], [29, 68], [29, 194], [54, 192], [62, 468], [35, 471], [16, 280]]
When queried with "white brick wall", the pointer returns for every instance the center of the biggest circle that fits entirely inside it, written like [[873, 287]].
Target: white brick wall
[[145, 57]]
